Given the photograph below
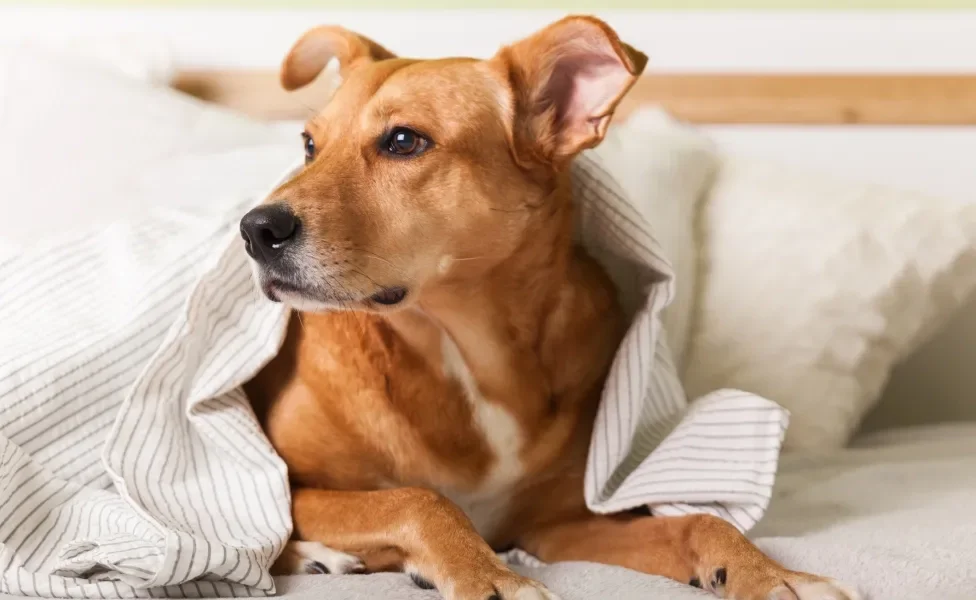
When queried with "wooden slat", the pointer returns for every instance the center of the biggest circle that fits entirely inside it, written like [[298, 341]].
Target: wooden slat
[[812, 99]]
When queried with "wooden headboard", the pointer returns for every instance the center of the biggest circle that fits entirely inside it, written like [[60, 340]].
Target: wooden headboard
[[808, 99]]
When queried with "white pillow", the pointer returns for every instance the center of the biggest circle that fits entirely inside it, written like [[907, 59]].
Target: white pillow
[[812, 290], [665, 168], [83, 144], [140, 56]]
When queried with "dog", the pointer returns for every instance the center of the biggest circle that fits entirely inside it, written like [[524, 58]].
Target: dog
[[435, 394]]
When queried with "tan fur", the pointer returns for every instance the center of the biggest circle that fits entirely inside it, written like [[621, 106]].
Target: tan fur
[[376, 430]]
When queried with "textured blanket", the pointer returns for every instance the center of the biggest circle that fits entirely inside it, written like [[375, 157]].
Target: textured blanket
[[131, 464]]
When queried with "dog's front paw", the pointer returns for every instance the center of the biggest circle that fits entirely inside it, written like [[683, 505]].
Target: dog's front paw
[[757, 583], [494, 583], [301, 558]]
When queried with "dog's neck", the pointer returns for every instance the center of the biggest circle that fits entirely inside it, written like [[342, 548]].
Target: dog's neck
[[497, 316]]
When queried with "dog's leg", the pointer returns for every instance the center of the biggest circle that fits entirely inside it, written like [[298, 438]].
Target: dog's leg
[[435, 539], [700, 550]]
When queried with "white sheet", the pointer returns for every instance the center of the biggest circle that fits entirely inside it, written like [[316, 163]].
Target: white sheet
[[130, 461]]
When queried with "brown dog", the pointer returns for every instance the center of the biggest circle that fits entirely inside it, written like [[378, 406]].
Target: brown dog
[[445, 408]]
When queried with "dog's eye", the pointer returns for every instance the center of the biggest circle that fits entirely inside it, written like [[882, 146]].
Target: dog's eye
[[309, 147], [405, 142]]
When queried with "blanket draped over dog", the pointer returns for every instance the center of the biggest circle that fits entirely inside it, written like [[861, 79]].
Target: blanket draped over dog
[[131, 464]]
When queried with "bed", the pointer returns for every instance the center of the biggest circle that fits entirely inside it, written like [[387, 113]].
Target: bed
[[890, 513]]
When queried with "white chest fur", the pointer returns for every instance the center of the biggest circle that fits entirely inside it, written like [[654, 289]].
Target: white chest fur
[[487, 505]]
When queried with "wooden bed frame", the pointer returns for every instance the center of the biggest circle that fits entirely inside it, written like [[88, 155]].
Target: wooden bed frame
[[799, 99]]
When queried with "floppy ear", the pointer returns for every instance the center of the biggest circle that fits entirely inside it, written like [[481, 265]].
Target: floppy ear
[[567, 80], [313, 51]]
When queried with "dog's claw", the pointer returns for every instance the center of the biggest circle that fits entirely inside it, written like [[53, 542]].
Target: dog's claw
[[314, 567], [421, 582]]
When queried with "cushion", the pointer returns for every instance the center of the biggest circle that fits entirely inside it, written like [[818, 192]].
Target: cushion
[[812, 289]]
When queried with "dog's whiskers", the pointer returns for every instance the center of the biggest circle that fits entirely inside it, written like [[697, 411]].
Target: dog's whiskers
[[301, 323], [360, 273], [472, 257], [369, 254]]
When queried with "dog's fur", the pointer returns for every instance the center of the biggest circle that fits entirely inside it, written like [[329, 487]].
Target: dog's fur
[[422, 431]]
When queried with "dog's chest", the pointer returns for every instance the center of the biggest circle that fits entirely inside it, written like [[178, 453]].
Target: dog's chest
[[489, 503], [358, 418]]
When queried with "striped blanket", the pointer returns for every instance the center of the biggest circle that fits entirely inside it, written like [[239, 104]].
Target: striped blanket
[[131, 464]]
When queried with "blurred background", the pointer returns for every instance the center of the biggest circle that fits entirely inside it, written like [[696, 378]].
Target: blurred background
[[703, 36]]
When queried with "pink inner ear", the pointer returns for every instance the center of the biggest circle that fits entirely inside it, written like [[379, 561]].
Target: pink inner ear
[[585, 82]]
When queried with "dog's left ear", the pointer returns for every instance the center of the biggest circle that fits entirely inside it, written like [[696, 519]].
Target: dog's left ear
[[313, 51], [567, 80]]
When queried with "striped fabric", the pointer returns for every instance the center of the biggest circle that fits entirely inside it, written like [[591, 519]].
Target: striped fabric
[[651, 447], [131, 464]]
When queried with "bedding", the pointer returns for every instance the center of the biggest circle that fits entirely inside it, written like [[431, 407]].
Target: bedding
[[887, 514]]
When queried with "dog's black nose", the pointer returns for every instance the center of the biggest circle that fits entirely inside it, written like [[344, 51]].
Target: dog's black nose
[[268, 230]]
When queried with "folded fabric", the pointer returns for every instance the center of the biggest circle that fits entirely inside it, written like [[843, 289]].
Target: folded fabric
[[131, 464]]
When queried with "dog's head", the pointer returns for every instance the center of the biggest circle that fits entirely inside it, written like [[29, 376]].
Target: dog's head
[[420, 170]]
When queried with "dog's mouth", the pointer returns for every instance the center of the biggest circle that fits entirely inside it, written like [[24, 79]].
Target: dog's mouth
[[280, 290], [274, 289], [390, 296]]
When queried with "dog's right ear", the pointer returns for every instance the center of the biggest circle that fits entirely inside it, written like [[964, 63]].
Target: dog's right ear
[[566, 81], [313, 51]]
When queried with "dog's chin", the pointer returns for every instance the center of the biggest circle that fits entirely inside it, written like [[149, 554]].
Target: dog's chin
[[384, 300]]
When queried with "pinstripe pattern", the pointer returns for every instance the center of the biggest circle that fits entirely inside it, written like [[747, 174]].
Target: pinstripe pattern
[[131, 464], [650, 446]]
